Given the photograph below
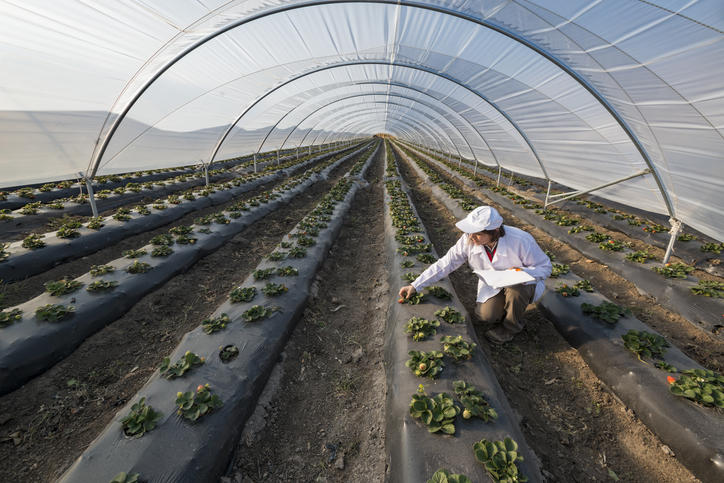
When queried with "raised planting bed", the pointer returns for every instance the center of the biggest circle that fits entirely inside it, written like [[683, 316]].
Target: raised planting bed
[[673, 293], [239, 343], [445, 424], [23, 260], [35, 214], [29, 345], [695, 433]]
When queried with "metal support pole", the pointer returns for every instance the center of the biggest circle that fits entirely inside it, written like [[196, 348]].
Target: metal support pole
[[278, 159], [572, 194], [297, 153], [500, 171], [475, 170], [206, 173], [674, 232], [309, 151], [255, 162], [91, 197], [548, 193]]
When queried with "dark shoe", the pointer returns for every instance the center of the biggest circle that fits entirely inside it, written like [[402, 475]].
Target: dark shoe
[[499, 335]]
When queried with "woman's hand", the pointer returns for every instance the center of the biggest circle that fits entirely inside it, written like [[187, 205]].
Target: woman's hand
[[406, 292]]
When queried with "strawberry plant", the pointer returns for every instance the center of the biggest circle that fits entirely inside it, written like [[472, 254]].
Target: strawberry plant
[[297, 252], [173, 199], [134, 253], [181, 230], [95, 223], [62, 287], [9, 317], [306, 241], [712, 247], [612, 245], [257, 312], [426, 258], [30, 208], [285, 245], [185, 240], [499, 458], [559, 269], [665, 366], [439, 292], [276, 256], [645, 344], [407, 264], [597, 237], [274, 289], [203, 220], [640, 256], [161, 251], [98, 270], [425, 364], [580, 228], [674, 270], [584, 285], [568, 291], [187, 362], [142, 210], [474, 402], [437, 413], [242, 294], [606, 311], [122, 214], [140, 420], [701, 385], [33, 241], [221, 219], [654, 228], [4, 254], [5, 215], [564, 220], [685, 237], [450, 315], [410, 277], [215, 324], [138, 267], [27, 193], [421, 328], [228, 352], [159, 206], [287, 271], [457, 348], [54, 313], [709, 288], [101, 285], [444, 476], [69, 230], [415, 299], [263, 274], [163, 239], [634, 221], [189, 196], [193, 405]]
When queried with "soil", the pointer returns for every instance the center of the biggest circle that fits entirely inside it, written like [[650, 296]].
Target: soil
[[322, 417], [576, 426], [46, 424]]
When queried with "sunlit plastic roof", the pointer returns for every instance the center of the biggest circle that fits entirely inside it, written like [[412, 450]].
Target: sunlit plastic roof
[[579, 92]]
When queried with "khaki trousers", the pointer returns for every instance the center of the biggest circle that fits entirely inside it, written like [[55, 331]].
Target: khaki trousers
[[507, 306]]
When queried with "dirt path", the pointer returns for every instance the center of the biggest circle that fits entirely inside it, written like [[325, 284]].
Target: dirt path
[[321, 417], [576, 426], [46, 424]]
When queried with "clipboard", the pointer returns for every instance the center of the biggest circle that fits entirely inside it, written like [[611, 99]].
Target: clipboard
[[504, 278]]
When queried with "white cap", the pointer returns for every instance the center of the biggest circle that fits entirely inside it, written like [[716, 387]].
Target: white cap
[[481, 218]]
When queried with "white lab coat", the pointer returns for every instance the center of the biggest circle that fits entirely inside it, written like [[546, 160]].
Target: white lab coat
[[516, 249]]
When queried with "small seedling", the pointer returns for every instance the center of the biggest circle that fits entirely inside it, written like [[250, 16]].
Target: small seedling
[[709, 288], [185, 240], [606, 311], [68, 231], [187, 362], [287, 271], [9, 317], [263, 274], [499, 458], [425, 364], [122, 214], [161, 251], [228, 353], [674, 270], [665, 366], [138, 267], [242, 294], [221, 219], [584, 285], [297, 252], [274, 289], [54, 312], [559, 269], [701, 385], [645, 344], [437, 413], [140, 420], [95, 223], [421, 328], [215, 324], [33, 242], [439, 292], [193, 405], [457, 348], [568, 291], [181, 230], [257, 312], [98, 270], [474, 402], [134, 253], [163, 239], [450, 315], [444, 476], [101, 285], [142, 210], [62, 287]]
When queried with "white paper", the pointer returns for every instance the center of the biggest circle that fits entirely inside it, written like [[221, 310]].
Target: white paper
[[504, 278]]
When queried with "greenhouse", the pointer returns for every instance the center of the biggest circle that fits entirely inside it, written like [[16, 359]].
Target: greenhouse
[[362, 240]]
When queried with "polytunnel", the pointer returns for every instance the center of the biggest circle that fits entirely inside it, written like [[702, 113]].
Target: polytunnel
[[621, 100]]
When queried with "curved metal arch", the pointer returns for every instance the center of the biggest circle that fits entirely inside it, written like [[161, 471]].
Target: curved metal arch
[[98, 153], [395, 84], [440, 136], [387, 112]]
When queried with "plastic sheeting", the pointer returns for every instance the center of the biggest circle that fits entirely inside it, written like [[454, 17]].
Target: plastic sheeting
[[583, 91]]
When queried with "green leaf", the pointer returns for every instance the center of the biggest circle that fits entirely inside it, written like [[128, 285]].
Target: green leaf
[[448, 429], [613, 475]]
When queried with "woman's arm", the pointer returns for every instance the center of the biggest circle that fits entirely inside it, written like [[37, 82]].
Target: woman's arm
[[456, 256]]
